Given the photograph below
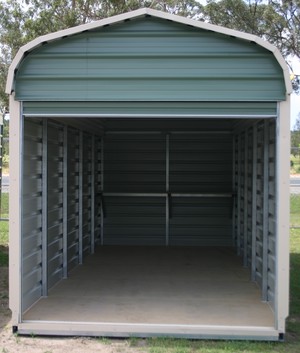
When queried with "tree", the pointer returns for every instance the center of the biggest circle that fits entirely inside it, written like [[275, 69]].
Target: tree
[[275, 21], [295, 138]]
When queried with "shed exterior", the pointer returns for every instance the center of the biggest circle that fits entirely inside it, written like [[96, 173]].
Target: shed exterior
[[147, 129]]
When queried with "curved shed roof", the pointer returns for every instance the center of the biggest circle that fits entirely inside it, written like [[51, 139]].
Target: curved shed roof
[[52, 37]]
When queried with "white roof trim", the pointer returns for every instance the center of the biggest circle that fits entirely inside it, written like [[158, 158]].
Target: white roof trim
[[138, 13]]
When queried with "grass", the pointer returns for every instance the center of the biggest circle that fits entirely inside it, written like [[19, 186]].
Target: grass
[[295, 210], [171, 345], [295, 164], [4, 231], [4, 205]]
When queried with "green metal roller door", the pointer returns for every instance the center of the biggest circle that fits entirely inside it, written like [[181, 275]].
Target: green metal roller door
[[151, 109]]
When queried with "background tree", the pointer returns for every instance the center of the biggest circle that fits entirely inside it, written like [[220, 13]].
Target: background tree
[[295, 138], [275, 21]]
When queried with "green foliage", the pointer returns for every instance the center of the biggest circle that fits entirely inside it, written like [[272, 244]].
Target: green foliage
[[4, 233], [295, 210], [275, 21], [295, 138], [4, 205], [4, 226], [3, 257]]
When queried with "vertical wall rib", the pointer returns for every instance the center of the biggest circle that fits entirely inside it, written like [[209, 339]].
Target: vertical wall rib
[[254, 203], [45, 210], [65, 203]]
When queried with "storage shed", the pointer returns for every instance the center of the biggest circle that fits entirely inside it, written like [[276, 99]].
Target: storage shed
[[149, 181]]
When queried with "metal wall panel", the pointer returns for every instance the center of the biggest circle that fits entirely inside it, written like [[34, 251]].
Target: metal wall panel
[[134, 221], [259, 205], [98, 186], [271, 262], [32, 213], [55, 203], [201, 164], [138, 109], [255, 219], [87, 195], [201, 221], [73, 198], [150, 59], [167, 189], [249, 198], [134, 164]]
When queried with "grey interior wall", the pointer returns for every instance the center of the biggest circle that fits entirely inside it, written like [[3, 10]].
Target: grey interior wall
[[255, 217], [73, 198], [31, 209], [55, 136], [87, 192], [58, 210], [168, 188], [98, 168], [201, 170]]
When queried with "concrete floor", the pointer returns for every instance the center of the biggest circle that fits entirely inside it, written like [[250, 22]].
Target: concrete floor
[[202, 286]]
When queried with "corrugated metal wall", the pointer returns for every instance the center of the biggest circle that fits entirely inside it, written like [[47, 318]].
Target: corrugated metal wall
[[150, 59], [201, 179], [73, 198], [133, 109], [55, 138], [255, 218], [59, 216], [168, 189], [32, 194]]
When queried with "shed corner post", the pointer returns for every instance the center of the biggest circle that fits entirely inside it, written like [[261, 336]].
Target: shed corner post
[[283, 214], [15, 211]]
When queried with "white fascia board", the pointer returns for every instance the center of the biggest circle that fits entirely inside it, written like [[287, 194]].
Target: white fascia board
[[138, 13]]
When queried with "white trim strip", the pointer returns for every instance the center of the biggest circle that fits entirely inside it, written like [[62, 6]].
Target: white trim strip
[[152, 116], [145, 330]]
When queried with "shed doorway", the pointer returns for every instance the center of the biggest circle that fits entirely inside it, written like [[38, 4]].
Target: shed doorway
[[150, 221]]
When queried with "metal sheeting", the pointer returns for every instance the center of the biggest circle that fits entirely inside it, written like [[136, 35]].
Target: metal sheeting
[[165, 189], [150, 59], [32, 213], [87, 193], [199, 166], [56, 235], [255, 219], [73, 199], [54, 199], [139, 109], [98, 188], [272, 229]]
